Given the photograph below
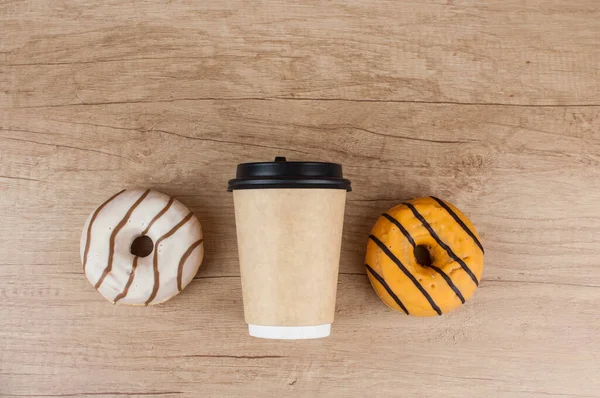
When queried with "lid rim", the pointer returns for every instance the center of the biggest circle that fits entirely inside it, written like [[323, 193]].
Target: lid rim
[[283, 174], [307, 183]]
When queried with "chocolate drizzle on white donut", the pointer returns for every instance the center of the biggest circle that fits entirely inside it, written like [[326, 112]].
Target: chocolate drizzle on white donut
[[185, 256], [155, 259], [156, 217], [123, 275], [123, 294], [113, 237], [89, 230]]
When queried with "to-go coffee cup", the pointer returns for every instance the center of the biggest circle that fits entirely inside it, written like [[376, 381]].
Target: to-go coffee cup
[[289, 219]]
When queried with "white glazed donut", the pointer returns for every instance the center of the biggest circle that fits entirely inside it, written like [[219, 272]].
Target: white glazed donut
[[165, 269]]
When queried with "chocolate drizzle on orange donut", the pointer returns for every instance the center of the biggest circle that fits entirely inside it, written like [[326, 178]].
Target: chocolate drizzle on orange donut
[[155, 258], [395, 259], [89, 230], [401, 228], [113, 236], [459, 222], [424, 237], [442, 244], [387, 288], [455, 289]]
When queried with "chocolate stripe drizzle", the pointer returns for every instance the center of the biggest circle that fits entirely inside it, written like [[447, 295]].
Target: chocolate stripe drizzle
[[449, 282], [129, 281], [433, 267], [123, 294], [155, 259], [459, 221], [113, 236], [89, 230], [157, 216], [442, 244], [185, 256], [395, 259], [387, 288], [401, 228]]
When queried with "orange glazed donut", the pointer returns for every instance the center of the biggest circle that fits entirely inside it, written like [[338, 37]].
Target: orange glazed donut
[[424, 257]]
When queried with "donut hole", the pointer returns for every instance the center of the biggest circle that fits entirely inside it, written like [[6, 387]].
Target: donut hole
[[422, 255], [141, 246]]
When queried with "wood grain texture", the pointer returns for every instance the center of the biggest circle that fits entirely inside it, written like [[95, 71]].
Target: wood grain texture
[[494, 106]]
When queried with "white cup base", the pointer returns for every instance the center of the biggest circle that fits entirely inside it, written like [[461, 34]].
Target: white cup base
[[289, 332]]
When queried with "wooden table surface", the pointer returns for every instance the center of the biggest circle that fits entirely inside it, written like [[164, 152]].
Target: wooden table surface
[[493, 105]]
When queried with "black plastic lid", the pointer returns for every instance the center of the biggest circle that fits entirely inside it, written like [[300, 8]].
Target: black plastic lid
[[284, 174]]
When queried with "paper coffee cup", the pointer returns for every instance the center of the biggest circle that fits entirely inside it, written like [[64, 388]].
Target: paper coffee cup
[[289, 219]]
